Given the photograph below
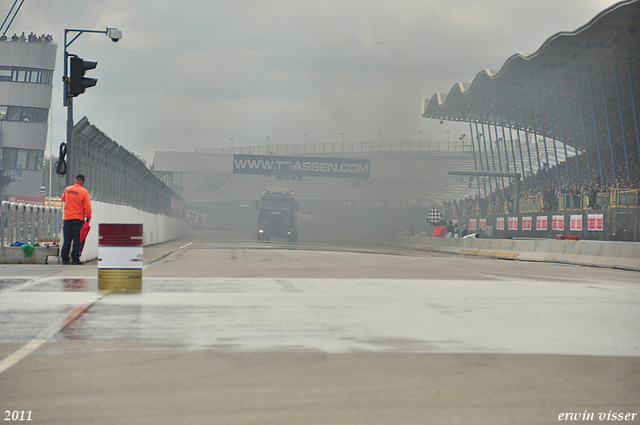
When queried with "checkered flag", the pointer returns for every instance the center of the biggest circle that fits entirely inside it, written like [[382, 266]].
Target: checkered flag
[[434, 216]]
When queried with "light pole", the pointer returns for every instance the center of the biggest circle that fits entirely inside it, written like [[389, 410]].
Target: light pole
[[231, 138], [114, 34], [268, 150]]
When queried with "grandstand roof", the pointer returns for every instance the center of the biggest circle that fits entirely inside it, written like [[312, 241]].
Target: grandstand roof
[[599, 61]]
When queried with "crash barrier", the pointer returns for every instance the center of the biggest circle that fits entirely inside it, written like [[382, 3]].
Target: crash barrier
[[618, 255], [156, 228], [120, 257], [28, 223]]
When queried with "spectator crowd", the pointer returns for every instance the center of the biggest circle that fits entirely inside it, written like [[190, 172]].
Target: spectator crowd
[[31, 38], [544, 183]]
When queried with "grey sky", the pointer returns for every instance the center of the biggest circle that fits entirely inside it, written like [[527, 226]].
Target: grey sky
[[192, 75]]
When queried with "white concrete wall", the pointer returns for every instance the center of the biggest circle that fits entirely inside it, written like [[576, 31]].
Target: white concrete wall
[[156, 229], [617, 255]]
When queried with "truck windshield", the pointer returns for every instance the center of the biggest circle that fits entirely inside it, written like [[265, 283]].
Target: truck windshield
[[276, 204]]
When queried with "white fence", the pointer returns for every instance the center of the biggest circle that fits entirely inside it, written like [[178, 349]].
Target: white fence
[[28, 223]]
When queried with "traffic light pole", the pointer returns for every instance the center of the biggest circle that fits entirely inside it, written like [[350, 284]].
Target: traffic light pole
[[68, 99], [70, 169]]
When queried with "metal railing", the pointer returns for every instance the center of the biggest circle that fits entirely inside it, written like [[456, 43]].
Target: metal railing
[[470, 209], [531, 205], [573, 202], [601, 200], [344, 147], [28, 223], [624, 198], [498, 208], [618, 198], [116, 176]]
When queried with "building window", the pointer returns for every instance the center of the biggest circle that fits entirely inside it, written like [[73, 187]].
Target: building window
[[26, 75], [22, 159], [23, 113]]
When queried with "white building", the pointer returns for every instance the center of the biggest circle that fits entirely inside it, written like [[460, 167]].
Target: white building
[[26, 87]]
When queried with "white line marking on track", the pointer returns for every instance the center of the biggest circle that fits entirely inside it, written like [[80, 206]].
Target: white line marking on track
[[44, 336], [167, 254]]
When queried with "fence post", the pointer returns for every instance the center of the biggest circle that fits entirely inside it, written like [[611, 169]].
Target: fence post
[[39, 216], [3, 220], [22, 215], [13, 211]]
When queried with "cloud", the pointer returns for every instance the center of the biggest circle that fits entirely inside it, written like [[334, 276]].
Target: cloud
[[190, 75]]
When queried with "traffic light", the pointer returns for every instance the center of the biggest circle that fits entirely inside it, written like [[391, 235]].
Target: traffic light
[[78, 83]]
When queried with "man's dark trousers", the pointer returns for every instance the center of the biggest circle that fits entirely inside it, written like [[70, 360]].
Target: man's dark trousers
[[71, 233]]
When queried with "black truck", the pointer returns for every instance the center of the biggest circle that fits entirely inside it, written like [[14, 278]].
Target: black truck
[[277, 215]]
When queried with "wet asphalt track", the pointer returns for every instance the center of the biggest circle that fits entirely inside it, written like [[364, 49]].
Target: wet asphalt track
[[213, 295]]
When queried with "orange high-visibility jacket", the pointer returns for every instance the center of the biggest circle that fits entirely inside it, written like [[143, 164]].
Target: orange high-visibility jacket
[[77, 204]]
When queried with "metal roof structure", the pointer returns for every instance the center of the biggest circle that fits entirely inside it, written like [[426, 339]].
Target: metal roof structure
[[580, 87]]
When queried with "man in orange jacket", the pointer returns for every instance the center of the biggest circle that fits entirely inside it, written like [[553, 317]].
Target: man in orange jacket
[[77, 208]]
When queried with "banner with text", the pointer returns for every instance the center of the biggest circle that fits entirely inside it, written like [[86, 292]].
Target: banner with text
[[576, 223], [273, 165], [541, 222], [596, 222], [557, 223]]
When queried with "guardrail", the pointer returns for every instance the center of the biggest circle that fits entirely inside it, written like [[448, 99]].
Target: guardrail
[[28, 223]]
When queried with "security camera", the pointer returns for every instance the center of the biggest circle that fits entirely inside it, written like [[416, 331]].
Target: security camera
[[114, 34]]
